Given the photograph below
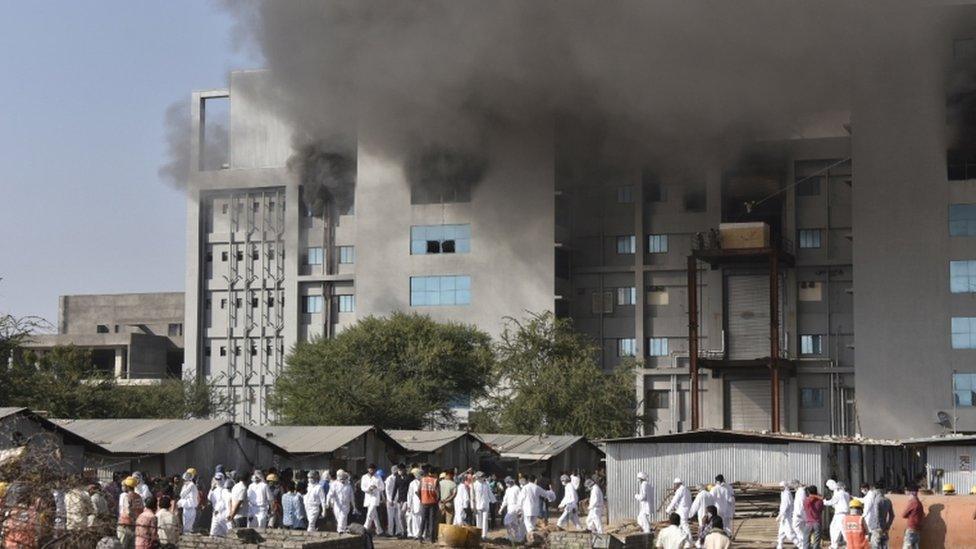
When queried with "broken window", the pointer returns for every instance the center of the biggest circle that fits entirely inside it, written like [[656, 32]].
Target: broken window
[[657, 295], [101, 329], [440, 239], [811, 291]]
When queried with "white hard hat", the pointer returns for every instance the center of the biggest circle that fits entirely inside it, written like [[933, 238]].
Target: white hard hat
[[782, 484], [677, 480], [641, 475], [832, 484]]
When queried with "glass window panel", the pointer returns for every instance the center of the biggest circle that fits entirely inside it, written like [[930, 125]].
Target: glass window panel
[[463, 297], [462, 246]]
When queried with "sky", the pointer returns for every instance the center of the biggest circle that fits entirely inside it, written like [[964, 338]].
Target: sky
[[83, 91]]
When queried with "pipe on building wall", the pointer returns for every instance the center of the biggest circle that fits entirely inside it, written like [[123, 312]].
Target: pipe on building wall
[[693, 338]]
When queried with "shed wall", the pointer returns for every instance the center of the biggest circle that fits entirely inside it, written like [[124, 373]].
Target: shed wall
[[949, 459]]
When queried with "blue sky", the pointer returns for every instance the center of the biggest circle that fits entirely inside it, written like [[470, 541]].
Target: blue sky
[[83, 90]]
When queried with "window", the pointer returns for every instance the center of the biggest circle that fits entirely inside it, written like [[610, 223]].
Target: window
[[237, 348], [962, 220], [625, 194], [347, 254], [223, 209], [602, 303], [627, 296], [440, 192], [811, 344], [256, 206], [657, 346], [962, 277], [808, 186], [208, 303], [657, 399], [811, 398], [240, 255], [963, 332], [658, 295], [811, 291], [440, 239], [223, 256], [175, 329], [626, 244], [254, 350], [809, 238], [254, 254], [432, 291], [347, 303], [657, 243], [206, 351], [627, 347], [312, 304], [223, 350], [116, 328], [964, 389], [237, 303], [101, 329], [223, 303], [255, 302], [271, 253], [271, 301], [315, 256]]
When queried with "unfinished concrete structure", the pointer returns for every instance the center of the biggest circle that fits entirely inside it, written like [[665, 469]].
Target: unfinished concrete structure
[[131, 336]]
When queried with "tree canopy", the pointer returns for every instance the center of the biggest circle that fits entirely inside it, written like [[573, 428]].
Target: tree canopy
[[554, 384], [401, 371]]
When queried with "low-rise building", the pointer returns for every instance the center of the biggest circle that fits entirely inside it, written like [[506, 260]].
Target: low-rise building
[[21, 427], [322, 447], [459, 449], [545, 456]]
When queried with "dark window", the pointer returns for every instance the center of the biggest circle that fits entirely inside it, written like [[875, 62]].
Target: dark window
[[175, 329], [208, 303], [254, 302], [237, 303], [223, 351], [812, 398], [254, 255], [657, 399], [271, 301], [223, 256], [101, 329], [240, 255], [209, 257], [223, 303], [223, 209], [206, 351], [808, 186]]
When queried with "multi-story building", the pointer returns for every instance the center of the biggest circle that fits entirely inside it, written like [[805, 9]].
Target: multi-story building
[[131, 336], [618, 252]]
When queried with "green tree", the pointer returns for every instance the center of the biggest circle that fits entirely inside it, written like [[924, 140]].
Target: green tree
[[401, 371], [553, 383]]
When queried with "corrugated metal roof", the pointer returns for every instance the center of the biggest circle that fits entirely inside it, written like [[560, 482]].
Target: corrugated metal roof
[[424, 441], [140, 436], [536, 447], [942, 440], [9, 411], [313, 439], [724, 435]]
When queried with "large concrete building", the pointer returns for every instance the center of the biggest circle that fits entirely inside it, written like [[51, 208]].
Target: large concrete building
[[870, 201], [131, 336]]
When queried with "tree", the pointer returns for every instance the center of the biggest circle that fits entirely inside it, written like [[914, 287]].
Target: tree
[[401, 371], [554, 384]]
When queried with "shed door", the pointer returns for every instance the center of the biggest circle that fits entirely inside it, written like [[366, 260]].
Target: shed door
[[747, 314], [748, 404]]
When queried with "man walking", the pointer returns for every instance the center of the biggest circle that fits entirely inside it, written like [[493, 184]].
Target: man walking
[[725, 502], [569, 504], [840, 501], [643, 496], [394, 521], [785, 517], [188, 502], [681, 504], [372, 496], [429, 499], [594, 513], [483, 498]]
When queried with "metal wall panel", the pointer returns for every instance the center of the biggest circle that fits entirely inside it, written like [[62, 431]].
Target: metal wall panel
[[949, 458], [747, 316], [698, 463], [748, 404]]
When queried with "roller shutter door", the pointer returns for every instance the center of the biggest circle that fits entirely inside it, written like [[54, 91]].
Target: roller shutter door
[[747, 314], [749, 404]]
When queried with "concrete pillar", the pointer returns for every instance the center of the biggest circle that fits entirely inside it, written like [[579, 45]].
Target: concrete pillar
[[120, 362]]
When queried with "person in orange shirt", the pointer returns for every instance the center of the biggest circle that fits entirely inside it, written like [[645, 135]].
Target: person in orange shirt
[[855, 530]]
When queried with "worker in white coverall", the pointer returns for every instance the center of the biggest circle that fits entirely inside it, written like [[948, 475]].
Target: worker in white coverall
[[219, 498], [784, 519], [394, 517], [141, 488], [509, 509], [462, 500], [569, 504], [724, 502], [483, 498], [414, 507], [800, 528], [530, 502], [681, 504], [314, 500], [699, 507], [372, 497], [258, 501], [841, 502], [342, 499], [644, 496], [594, 514], [189, 499]]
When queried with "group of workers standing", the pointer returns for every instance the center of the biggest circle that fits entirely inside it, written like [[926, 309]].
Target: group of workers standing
[[713, 506]]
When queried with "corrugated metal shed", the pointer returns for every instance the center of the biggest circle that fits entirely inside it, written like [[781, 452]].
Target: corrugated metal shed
[[140, 436], [530, 447], [310, 439], [424, 441], [9, 411]]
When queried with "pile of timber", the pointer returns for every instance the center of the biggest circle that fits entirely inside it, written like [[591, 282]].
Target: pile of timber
[[756, 500]]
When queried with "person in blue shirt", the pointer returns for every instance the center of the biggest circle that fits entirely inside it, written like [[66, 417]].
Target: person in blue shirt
[[292, 509]]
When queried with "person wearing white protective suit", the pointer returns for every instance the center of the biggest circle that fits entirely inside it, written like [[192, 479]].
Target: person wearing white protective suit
[[394, 518], [594, 513], [510, 511], [483, 499], [841, 502], [681, 504], [575, 480], [569, 504], [342, 499], [462, 501], [644, 496], [530, 502], [258, 501], [189, 499], [724, 502], [314, 500], [141, 488], [699, 507], [219, 498], [784, 519], [801, 530], [372, 488], [415, 508]]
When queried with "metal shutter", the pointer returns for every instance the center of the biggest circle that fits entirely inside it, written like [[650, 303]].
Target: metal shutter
[[749, 404], [747, 314]]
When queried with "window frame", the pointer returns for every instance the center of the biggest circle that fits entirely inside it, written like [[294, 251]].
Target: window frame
[[657, 243], [816, 344], [346, 303], [658, 347], [807, 243], [423, 288], [629, 243], [623, 343]]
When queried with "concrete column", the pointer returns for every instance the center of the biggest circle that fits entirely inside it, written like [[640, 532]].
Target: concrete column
[[120, 362]]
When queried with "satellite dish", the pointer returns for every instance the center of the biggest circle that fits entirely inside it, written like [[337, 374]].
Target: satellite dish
[[944, 420]]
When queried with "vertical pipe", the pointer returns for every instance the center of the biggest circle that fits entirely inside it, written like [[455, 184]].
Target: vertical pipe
[[774, 336], [693, 338]]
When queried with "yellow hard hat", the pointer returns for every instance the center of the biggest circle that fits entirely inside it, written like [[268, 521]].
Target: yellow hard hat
[[710, 487], [192, 471], [272, 478], [131, 482], [856, 504], [3, 489], [972, 491], [948, 488]]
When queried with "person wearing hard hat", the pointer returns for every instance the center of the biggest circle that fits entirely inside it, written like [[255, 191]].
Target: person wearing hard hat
[[644, 496], [856, 533], [341, 497], [141, 487], [681, 504], [219, 498], [189, 500], [130, 507], [569, 504], [840, 501]]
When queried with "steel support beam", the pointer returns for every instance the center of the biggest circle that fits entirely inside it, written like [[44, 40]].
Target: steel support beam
[[774, 350], [693, 339]]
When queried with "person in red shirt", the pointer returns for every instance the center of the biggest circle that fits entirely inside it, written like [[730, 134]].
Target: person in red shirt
[[813, 508], [856, 532], [914, 514], [147, 534]]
